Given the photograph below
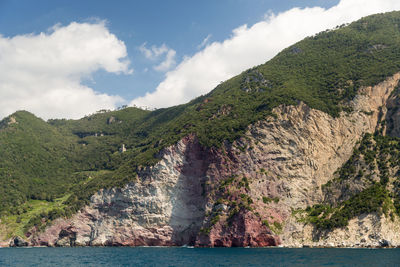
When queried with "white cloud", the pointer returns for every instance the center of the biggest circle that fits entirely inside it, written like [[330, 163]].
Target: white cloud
[[168, 62], [43, 73], [250, 46], [204, 42], [155, 52]]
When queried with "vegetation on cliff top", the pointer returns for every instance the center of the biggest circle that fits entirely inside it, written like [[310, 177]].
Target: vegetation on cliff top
[[45, 161]]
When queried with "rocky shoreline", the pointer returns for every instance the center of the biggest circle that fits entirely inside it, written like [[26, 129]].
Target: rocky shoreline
[[383, 244]]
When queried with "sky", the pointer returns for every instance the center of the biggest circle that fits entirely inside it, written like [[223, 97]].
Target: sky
[[68, 59]]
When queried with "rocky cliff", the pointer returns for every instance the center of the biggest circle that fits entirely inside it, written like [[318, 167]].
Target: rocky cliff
[[242, 194]]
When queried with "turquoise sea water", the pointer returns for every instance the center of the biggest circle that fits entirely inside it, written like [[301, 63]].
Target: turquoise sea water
[[142, 256]]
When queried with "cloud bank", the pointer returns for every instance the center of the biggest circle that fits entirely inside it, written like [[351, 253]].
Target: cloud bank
[[156, 52], [43, 73], [250, 46]]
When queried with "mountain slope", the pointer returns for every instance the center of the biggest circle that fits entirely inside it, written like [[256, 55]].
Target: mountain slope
[[324, 71], [188, 156], [33, 159]]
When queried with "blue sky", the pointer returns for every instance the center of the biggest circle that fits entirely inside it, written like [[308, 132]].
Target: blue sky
[[181, 26]]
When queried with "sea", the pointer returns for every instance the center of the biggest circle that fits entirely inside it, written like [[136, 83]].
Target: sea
[[189, 256]]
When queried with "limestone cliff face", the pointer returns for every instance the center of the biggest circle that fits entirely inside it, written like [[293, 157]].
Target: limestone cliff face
[[242, 194], [164, 206]]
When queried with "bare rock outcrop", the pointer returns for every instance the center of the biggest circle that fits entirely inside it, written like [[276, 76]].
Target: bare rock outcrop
[[18, 242], [366, 230]]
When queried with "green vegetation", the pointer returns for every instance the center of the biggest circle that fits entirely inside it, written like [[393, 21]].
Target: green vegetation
[[276, 227], [380, 154], [34, 161], [267, 200], [368, 201], [205, 231], [266, 223], [18, 223], [231, 192], [376, 151], [44, 161]]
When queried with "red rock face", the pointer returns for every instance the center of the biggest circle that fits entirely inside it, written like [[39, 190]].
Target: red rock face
[[225, 214], [246, 227], [244, 230]]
